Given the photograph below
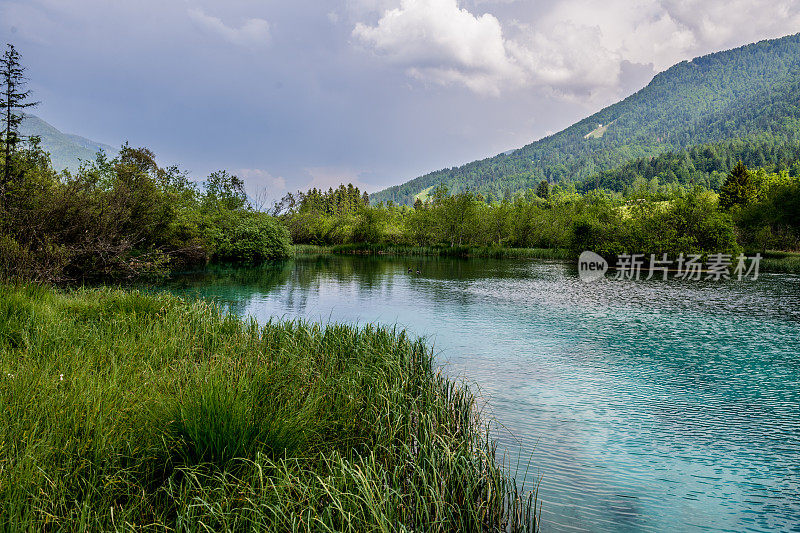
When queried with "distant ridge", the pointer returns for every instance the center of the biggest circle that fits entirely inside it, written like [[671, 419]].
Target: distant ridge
[[66, 149], [746, 93]]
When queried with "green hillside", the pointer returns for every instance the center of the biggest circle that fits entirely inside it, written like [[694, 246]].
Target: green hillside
[[746, 92], [706, 164], [66, 150]]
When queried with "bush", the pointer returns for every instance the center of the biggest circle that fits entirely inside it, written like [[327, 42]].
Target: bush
[[254, 238], [773, 221], [125, 219], [688, 224]]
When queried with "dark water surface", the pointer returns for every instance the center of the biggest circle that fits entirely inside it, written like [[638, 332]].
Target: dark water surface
[[642, 406]]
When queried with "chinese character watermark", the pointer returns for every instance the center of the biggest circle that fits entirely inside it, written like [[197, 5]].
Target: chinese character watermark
[[717, 267]]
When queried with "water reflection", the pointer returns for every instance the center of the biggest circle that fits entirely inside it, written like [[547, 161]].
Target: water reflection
[[644, 406]]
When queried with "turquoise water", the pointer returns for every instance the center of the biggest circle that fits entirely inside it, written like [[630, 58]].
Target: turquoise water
[[639, 406]]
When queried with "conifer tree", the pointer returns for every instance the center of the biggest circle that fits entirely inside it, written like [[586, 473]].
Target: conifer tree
[[738, 189], [14, 100], [543, 190]]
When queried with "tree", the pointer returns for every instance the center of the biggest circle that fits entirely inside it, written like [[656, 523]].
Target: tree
[[224, 191], [15, 99], [543, 190], [455, 214], [738, 189], [365, 199]]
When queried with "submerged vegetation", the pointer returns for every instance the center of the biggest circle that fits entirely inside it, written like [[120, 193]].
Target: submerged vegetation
[[123, 410]]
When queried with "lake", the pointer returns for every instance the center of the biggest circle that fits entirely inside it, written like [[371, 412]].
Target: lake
[[638, 406]]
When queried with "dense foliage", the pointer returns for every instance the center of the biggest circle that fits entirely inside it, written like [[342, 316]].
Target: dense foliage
[[125, 218], [750, 92], [707, 165], [769, 216]]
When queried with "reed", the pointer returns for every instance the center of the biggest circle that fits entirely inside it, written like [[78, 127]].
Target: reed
[[130, 411], [781, 265]]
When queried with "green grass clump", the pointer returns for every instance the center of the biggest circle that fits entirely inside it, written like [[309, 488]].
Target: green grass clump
[[306, 249], [128, 411], [783, 265]]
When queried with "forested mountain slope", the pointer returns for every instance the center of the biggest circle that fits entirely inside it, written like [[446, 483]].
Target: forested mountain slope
[[706, 164], [752, 91]]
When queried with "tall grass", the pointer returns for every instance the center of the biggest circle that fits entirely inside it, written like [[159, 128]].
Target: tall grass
[[123, 411], [780, 262], [495, 252]]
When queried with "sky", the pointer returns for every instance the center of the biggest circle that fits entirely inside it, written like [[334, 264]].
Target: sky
[[299, 93]]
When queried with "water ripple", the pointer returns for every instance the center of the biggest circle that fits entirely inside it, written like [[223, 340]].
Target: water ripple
[[641, 406]]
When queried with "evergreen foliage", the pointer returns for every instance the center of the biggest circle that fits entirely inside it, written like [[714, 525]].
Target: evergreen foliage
[[738, 189]]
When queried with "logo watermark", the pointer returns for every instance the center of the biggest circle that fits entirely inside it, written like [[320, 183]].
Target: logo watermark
[[717, 267], [591, 266]]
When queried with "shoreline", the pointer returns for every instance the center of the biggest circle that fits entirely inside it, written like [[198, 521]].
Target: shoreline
[[774, 262], [435, 251]]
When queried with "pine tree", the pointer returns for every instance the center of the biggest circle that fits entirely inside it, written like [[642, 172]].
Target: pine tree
[[543, 190], [738, 189], [15, 99]]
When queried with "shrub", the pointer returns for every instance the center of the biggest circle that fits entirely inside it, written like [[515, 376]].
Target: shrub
[[254, 238]]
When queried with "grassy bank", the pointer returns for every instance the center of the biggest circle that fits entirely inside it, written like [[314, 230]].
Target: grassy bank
[[440, 251], [780, 262], [122, 410]]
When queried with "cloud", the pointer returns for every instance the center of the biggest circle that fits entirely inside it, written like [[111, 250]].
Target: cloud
[[253, 32], [326, 177], [261, 185], [437, 41], [664, 32], [576, 47]]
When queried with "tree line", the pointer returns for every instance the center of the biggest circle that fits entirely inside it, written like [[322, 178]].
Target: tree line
[[754, 210]]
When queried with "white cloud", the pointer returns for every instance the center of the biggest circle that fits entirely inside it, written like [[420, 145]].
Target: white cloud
[[664, 32], [437, 41], [253, 32], [577, 47]]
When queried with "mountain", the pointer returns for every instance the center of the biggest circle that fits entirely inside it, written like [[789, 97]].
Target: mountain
[[66, 150], [751, 91]]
